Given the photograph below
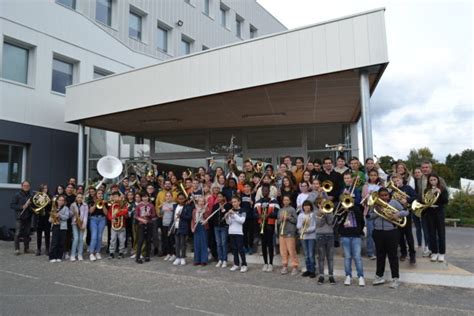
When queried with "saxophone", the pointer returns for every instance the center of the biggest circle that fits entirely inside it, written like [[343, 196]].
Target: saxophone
[[54, 215], [79, 222]]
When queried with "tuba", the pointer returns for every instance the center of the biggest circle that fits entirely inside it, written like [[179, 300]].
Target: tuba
[[327, 186], [385, 210], [109, 167], [429, 198], [117, 222], [397, 194]]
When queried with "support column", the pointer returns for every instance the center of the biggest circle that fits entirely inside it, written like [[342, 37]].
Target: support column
[[366, 119], [80, 154]]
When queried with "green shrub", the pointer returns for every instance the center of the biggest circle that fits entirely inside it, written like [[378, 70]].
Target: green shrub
[[461, 206]]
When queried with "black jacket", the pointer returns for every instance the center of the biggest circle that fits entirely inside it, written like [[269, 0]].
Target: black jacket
[[18, 200], [218, 219], [356, 216]]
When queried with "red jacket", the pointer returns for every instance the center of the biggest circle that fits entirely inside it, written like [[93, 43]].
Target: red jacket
[[122, 212]]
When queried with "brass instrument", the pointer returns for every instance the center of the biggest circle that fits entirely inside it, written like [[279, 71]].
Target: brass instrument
[[54, 215], [263, 217], [175, 224], [117, 222], [306, 221], [258, 166], [77, 216], [40, 200], [385, 210], [397, 194], [346, 201], [327, 206], [181, 186], [282, 227], [429, 199], [327, 186], [100, 204]]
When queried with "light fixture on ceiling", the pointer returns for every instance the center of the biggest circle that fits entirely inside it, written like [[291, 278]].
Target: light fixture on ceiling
[[180, 23], [162, 121], [246, 116]]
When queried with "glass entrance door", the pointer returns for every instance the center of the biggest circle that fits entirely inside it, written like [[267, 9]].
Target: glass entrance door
[[274, 156]]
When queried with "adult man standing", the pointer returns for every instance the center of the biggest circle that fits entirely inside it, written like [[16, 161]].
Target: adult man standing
[[330, 174], [21, 204]]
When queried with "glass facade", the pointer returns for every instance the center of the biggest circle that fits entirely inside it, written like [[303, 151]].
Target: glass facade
[[62, 75], [15, 63], [103, 11], [11, 163], [135, 26]]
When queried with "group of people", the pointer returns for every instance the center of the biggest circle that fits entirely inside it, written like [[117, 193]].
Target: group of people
[[302, 204]]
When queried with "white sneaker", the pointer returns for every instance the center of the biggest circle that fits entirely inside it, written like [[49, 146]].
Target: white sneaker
[[52, 260], [434, 257], [426, 252], [361, 281], [73, 259], [395, 284], [441, 258], [224, 264], [269, 268], [243, 269], [219, 264], [80, 258], [133, 256], [167, 257], [92, 257], [176, 261], [98, 256], [58, 260], [66, 256], [348, 280], [183, 262], [172, 258], [234, 268], [378, 280], [265, 267]]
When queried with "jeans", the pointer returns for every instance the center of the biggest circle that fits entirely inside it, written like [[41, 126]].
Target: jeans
[[58, 242], [22, 228], [436, 230], [370, 240], [221, 239], [352, 248], [180, 244], [325, 246], [97, 229], [77, 241], [386, 243], [43, 225], [308, 246], [145, 234], [237, 244], [121, 236], [200, 245]]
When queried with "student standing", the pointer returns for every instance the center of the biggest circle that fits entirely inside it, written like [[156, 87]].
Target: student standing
[[307, 227], [235, 219], [80, 214], [287, 220], [60, 214]]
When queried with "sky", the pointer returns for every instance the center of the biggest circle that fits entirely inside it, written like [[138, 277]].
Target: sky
[[425, 97]]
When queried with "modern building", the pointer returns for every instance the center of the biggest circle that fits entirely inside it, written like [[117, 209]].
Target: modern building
[[46, 45]]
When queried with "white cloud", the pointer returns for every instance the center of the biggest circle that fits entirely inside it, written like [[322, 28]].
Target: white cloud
[[425, 97]]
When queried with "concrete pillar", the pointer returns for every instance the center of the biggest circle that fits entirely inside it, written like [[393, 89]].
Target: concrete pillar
[[366, 119], [80, 154]]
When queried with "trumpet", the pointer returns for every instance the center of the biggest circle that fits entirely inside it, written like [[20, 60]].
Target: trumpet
[[430, 198], [100, 204], [327, 186], [385, 210], [282, 227], [306, 221]]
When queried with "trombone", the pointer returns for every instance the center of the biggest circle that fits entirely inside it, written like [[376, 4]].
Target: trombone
[[327, 186], [306, 221], [282, 227]]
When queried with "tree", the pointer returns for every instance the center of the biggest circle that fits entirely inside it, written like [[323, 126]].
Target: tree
[[417, 156], [462, 165], [447, 174], [385, 162]]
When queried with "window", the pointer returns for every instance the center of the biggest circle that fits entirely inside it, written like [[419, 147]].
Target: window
[[135, 26], [253, 31], [223, 12], [68, 3], [11, 163], [62, 75], [162, 38], [185, 46], [15, 63], [103, 11], [204, 47], [207, 7], [238, 26], [99, 73]]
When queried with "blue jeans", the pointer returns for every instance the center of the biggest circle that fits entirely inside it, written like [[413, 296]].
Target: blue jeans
[[221, 240], [308, 246], [200, 245], [77, 241], [352, 246], [97, 229], [421, 230], [370, 241]]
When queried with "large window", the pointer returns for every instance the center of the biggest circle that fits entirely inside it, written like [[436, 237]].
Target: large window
[[207, 7], [162, 38], [62, 75], [11, 163], [185, 46], [103, 11], [253, 31], [15, 63], [135, 26], [68, 3], [223, 13]]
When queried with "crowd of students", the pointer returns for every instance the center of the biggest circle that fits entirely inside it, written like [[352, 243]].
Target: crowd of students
[[158, 214]]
